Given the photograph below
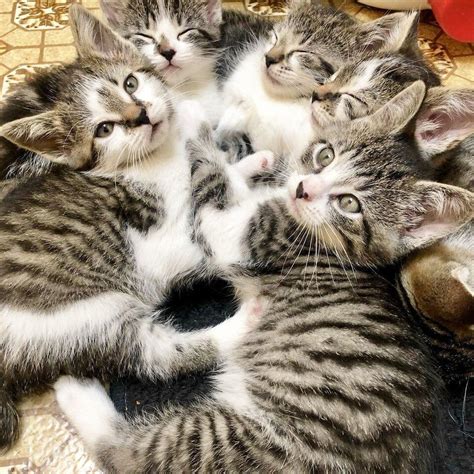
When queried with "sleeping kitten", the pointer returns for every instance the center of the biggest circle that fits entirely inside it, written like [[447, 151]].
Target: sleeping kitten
[[359, 89], [267, 88], [85, 257], [333, 379], [180, 39]]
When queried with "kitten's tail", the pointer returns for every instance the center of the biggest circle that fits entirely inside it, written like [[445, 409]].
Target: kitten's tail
[[9, 419]]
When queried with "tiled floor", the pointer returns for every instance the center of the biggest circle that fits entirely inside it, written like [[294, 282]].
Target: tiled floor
[[33, 35]]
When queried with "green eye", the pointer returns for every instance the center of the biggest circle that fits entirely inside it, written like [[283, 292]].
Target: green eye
[[349, 203], [325, 157], [131, 84], [104, 129]]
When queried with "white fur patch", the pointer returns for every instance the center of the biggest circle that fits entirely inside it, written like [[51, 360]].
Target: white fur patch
[[54, 335], [272, 123], [88, 408]]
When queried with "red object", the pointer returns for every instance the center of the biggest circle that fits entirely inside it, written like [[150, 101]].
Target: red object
[[456, 18]]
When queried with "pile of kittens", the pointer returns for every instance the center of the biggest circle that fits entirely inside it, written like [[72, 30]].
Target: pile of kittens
[[316, 164]]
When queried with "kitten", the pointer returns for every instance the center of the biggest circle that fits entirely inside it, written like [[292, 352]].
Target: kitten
[[334, 378], [85, 257], [434, 282], [359, 89], [267, 89], [180, 39]]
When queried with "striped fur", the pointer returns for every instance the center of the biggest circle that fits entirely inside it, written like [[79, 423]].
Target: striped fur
[[86, 257], [334, 378]]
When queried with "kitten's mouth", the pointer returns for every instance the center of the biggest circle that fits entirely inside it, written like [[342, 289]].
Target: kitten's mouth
[[170, 68], [272, 77], [156, 126]]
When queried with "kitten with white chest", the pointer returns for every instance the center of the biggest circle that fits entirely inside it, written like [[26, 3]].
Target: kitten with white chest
[[89, 249], [267, 89], [333, 378]]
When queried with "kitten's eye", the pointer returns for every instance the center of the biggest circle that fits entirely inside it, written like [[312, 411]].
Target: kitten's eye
[[131, 84], [325, 157], [189, 32], [104, 129], [349, 203]]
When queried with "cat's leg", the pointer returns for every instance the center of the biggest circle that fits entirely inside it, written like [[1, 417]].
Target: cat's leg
[[256, 163], [110, 334], [152, 444]]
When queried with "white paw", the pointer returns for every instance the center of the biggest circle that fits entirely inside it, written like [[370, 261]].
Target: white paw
[[256, 163], [87, 406], [230, 334]]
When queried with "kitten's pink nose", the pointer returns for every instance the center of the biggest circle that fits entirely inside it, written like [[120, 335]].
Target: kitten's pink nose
[[301, 193]]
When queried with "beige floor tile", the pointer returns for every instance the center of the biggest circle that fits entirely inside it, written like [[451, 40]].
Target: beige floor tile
[[464, 66], [6, 6], [15, 57], [58, 37], [20, 37], [59, 53], [5, 25], [456, 81]]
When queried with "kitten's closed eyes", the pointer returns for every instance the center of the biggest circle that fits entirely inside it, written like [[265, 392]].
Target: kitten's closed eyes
[[179, 39]]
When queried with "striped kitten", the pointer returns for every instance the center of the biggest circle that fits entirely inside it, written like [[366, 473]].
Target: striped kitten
[[359, 88], [333, 379], [86, 257], [267, 82], [180, 39], [435, 282]]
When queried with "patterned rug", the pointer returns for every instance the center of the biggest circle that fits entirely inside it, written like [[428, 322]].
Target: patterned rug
[[33, 35]]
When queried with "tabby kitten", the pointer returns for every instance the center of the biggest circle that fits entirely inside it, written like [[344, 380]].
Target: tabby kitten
[[434, 282], [333, 379], [86, 257], [266, 89], [359, 87], [180, 39]]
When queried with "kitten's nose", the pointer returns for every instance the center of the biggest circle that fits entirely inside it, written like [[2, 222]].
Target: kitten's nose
[[315, 97], [300, 192], [142, 118], [135, 115], [269, 60], [168, 54]]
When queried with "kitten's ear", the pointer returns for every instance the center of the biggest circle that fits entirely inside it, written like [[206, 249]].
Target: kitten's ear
[[214, 11], [396, 114], [463, 276], [41, 134], [439, 210], [94, 38], [113, 12], [446, 118], [396, 32], [37, 133]]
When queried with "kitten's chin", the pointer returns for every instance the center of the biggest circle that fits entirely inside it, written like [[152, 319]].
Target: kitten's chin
[[277, 86]]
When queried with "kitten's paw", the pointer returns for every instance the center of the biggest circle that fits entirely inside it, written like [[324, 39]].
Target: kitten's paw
[[87, 406], [232, 331], [256, 163]]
